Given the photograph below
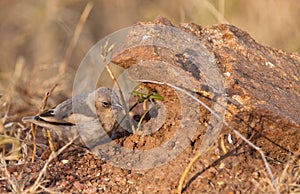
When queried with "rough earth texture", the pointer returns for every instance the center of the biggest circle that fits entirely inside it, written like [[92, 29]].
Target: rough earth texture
[[263, 89]]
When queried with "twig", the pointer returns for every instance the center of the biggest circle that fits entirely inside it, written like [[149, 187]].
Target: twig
[[223, 147], [219, 14], [45, 99], [122, 97], [33, 126], [186, 171], [105, 51], [143, 116], [86, 12], [33, 131], [50, 141], [227, 125]]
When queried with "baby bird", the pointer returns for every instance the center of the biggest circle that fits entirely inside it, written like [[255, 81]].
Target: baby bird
[[86, 117]]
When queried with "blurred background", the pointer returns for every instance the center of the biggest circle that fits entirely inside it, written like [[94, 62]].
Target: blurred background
[[36, 36]]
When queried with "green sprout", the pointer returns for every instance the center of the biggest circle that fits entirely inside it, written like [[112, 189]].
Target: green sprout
[[143, 98]]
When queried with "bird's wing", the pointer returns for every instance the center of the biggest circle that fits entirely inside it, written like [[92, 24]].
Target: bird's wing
[[61, 114]]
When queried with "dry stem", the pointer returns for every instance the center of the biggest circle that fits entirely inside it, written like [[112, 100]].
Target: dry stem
[[86, 12], [33, 126]]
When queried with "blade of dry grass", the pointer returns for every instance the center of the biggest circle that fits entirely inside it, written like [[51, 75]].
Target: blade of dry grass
[[86, 12], [33, 126], [219, 14], [104, 52]]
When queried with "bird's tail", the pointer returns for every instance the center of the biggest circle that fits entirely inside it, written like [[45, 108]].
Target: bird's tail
[[28, 119]]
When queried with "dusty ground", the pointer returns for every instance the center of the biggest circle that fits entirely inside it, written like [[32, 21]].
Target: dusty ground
[[240, 170]]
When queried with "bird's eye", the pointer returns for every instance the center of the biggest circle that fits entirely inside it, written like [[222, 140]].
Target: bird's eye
[[106, 104]]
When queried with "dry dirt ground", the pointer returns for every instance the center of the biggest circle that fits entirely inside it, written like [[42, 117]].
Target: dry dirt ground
[[75, 170]]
